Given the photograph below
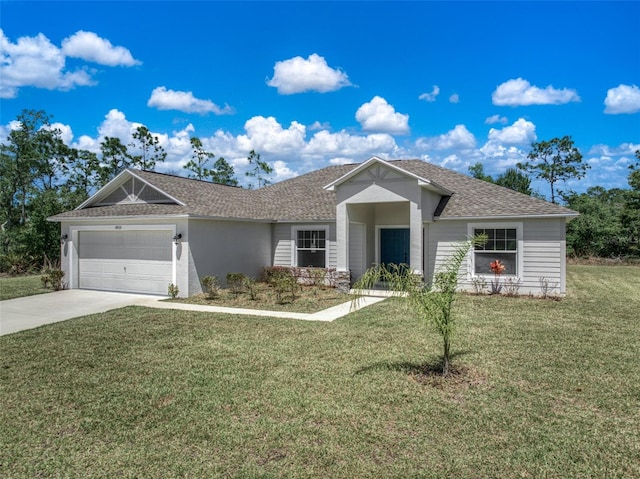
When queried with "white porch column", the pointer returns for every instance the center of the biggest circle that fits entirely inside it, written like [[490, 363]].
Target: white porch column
[[342, 236], [415, 235]]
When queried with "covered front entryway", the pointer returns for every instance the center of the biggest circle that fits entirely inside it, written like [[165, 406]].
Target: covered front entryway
[[395, 246], [133, 261], [382, 212]]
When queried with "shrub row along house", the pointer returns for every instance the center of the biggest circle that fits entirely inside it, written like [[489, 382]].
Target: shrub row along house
[[144, 230]]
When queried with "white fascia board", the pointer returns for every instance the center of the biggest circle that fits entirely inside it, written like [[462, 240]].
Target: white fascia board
[[84, 219], [423, 182], [433, 186], [507, 218], [303, 221], [374, 159], [229, 218]]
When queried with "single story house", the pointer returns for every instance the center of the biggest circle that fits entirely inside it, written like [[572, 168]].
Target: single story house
[[144, 230]]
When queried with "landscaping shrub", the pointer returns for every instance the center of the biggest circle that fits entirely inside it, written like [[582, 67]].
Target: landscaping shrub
[[511, 286], [236, 283], [284, 282], [270, 273], [53, 278], [173, 290], [211, 286], [251, 286]]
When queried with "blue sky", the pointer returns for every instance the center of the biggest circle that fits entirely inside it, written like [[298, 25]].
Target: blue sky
[[309, 84]]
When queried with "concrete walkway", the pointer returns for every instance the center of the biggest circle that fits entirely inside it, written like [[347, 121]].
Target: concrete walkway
[[329, 314], [33, 311]]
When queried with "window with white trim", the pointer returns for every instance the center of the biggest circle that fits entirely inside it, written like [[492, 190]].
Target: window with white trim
[[311, 248], [502, 245]]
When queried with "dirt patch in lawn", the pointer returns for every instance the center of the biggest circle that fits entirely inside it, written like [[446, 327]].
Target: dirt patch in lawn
[[460, 377], [307, 299]]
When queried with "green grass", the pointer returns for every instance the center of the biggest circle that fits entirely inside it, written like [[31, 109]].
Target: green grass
[[19, 286], [550, 389]]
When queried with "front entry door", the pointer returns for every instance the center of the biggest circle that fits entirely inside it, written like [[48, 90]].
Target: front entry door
[[394, 246]]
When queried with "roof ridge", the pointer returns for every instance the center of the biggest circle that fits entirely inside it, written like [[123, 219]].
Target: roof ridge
[[171, 175]]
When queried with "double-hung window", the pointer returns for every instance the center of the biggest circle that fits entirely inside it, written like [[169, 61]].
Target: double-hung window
[[311, 247], [501, 245]]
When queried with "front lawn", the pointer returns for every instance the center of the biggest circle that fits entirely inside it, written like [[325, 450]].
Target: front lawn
[[19, 286], [550, 389]]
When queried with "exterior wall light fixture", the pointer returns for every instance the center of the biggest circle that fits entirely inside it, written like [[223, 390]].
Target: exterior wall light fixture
[[177, 238]]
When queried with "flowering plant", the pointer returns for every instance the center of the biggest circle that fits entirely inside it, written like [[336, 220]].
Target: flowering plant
[[497, 268]]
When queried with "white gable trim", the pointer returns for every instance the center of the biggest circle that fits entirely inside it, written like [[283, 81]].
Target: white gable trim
[[115, 183], [423, 182]]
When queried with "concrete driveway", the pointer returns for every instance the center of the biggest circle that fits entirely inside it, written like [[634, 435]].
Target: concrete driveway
[[33, 311]]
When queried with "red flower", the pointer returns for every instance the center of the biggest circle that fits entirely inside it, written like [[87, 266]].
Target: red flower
[[497, 267]]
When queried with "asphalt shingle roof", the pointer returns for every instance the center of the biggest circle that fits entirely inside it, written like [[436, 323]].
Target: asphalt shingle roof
[[304, 198]]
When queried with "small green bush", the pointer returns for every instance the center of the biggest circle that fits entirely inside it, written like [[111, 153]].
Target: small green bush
[[284, 283], [53, 276], [173, 290], [251, 286], [271, 273], [236, 283], [211, 286]]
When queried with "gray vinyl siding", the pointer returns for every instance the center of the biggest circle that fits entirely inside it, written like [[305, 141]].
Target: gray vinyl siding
[[282, 254], [542, 253], [441, 238], [333, 249], [282, 251]]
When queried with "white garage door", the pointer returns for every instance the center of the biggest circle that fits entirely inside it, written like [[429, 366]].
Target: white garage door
[[133, 261]]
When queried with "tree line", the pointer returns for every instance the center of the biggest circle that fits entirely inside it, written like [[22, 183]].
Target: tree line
[[41, 176], [609, 221]]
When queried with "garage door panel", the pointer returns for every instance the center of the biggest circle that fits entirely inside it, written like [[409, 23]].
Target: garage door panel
[[130, 260]]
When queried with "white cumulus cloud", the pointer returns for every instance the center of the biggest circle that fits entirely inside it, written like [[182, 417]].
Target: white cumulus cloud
[[164, 99], [520, 92], [496, 119], [622, 99], [458, 138], [455, 98], [36, 62], [282, 171], [520, 133], [348, 146], [298, 75], [266, 135], [90, 47], [379, 116], [430, 97]]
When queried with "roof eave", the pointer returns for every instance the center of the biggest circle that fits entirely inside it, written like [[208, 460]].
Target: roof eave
[[53, 219], [423, 182], [507, 217]]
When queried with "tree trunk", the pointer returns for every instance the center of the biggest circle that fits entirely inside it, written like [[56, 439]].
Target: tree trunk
[[445, 357]]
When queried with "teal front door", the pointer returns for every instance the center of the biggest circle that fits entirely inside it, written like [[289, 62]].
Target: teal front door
[[394, 246]]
